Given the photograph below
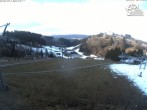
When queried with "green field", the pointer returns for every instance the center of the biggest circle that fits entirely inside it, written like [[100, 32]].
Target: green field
[[47, 85]]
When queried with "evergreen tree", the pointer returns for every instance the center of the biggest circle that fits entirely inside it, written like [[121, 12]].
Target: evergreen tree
[[113, 54], [123, 43], [46, 53], [140, 52], [111, 41], [41, 53]]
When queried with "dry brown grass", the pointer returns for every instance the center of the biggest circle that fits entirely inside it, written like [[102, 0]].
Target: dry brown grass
[[78, 89]]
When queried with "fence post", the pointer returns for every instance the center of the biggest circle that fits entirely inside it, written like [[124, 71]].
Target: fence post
[[2, 84]]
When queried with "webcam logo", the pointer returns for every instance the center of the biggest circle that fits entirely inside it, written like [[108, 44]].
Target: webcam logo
[[134, 10]]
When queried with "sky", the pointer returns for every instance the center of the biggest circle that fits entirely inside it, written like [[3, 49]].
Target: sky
[[90, 17]]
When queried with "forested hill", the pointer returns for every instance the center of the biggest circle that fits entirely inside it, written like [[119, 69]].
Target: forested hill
[[37, 40], [26, 38], [61, 41], [72, 36], [15, 43], [102, 43]]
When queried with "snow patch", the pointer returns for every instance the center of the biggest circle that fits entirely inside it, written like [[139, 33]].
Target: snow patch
[[93, 56], [81, 53], [132, 72], [57, 51], [73, 47]]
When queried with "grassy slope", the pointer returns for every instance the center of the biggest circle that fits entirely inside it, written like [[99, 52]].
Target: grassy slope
[[82, 89]]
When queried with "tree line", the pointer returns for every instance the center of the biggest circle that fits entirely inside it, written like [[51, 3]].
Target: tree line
[[14, 42], [113, 54], [26, 38]]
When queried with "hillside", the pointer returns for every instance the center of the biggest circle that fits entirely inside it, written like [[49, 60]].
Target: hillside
[[80, 85], [71, 36], [100, 44], [22, 43], [57, 41]]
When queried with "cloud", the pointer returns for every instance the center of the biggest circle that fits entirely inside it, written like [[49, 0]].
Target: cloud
[[89, 17]]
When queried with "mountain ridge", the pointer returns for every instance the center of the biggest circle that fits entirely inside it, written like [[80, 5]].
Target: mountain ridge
[[101, 43], [71, 36]]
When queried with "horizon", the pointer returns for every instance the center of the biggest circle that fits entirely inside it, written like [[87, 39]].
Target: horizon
[[87, 17], [55, 35]]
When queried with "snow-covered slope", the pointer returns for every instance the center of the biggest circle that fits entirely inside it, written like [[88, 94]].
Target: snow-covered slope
[[132, 72], [77, 50], [57, 51], [73, 47]]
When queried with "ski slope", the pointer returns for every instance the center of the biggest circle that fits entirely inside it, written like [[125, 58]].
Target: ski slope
[[57, 51], [132, 72]]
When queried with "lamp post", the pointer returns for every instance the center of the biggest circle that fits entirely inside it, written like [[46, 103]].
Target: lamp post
[[62, 46]]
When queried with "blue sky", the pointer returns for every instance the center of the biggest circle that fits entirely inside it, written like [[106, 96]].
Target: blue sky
[[144, 5], [49, 17]]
